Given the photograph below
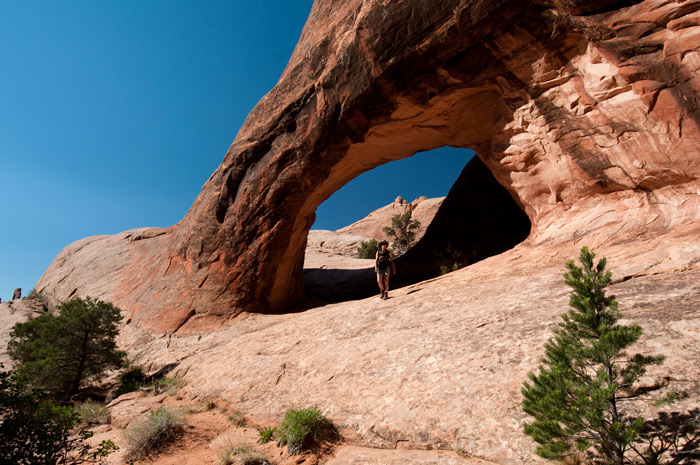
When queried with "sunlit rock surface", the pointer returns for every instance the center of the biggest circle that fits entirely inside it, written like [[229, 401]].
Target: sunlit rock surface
[[586, 113]]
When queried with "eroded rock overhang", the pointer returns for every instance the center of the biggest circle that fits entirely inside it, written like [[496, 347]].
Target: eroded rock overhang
[[585, 112]]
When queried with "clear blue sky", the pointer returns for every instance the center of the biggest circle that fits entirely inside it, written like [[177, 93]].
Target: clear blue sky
[[115, 113]]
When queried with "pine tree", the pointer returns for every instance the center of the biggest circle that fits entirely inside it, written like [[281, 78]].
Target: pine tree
[[403, 231], [59, 354], [585, 373]]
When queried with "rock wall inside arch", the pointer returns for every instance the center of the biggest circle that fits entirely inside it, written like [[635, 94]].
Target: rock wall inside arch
[[586, 113]]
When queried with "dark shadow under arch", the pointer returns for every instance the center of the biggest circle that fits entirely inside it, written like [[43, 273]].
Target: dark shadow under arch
[[478, 219]]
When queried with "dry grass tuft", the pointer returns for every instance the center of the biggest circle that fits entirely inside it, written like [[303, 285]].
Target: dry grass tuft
[[151, 433], [240, 454]]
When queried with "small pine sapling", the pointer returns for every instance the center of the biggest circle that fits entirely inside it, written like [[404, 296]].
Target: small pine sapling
[[575, 399]]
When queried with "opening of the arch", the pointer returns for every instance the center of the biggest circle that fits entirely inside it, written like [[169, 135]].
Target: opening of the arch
[[478, 218]]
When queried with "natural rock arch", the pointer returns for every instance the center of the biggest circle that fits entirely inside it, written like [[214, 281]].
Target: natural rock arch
[[558, 98], [476, 220]]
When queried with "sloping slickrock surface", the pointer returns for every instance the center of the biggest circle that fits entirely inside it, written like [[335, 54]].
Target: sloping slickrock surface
[[441, 362], [363, 456], [586, 113]]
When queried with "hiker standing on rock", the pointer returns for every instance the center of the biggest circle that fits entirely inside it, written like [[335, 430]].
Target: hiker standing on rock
[[383, 265]]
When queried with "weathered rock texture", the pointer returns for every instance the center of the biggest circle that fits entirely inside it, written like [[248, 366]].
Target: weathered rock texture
[[331, 241], [346, 240], [372, 226], [585, 112], [440, 364]]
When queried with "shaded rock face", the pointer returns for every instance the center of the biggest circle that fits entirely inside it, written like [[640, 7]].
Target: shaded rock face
[[585, 112], [477, 220]]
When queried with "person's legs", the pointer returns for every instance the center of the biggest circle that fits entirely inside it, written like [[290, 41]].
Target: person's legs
[[386, 285], [380, 281]]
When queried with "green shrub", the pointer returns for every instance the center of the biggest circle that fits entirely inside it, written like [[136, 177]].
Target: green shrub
[[61, 354], [444, 269], [670, 398], [240, 454], [403, 231], [368, 249], [151, 433], [134, 379], [131, 381], [305, 429], [168, 386], [33, 430], [33, 295], [92, 412], [36, 431], [266, 434]]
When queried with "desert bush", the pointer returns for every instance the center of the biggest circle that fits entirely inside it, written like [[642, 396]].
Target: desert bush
[[204, 404], [444, 268], [670, 398], [92, 412], [152, 432], [168, 385], [266, 434], [240, 454], [460, 450], [135, 379], [575, 459], [33, 295], [305, 429], [33, 430], [131, 380], [368, 249], [60, 354]]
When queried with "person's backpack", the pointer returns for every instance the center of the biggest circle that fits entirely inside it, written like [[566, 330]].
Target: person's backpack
[[383, 261]]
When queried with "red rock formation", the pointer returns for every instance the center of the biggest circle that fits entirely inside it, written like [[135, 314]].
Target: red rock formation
[[586, 112], [372, 226]]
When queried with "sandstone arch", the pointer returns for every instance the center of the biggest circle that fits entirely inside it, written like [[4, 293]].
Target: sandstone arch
[[585, 112], [477, 219]]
